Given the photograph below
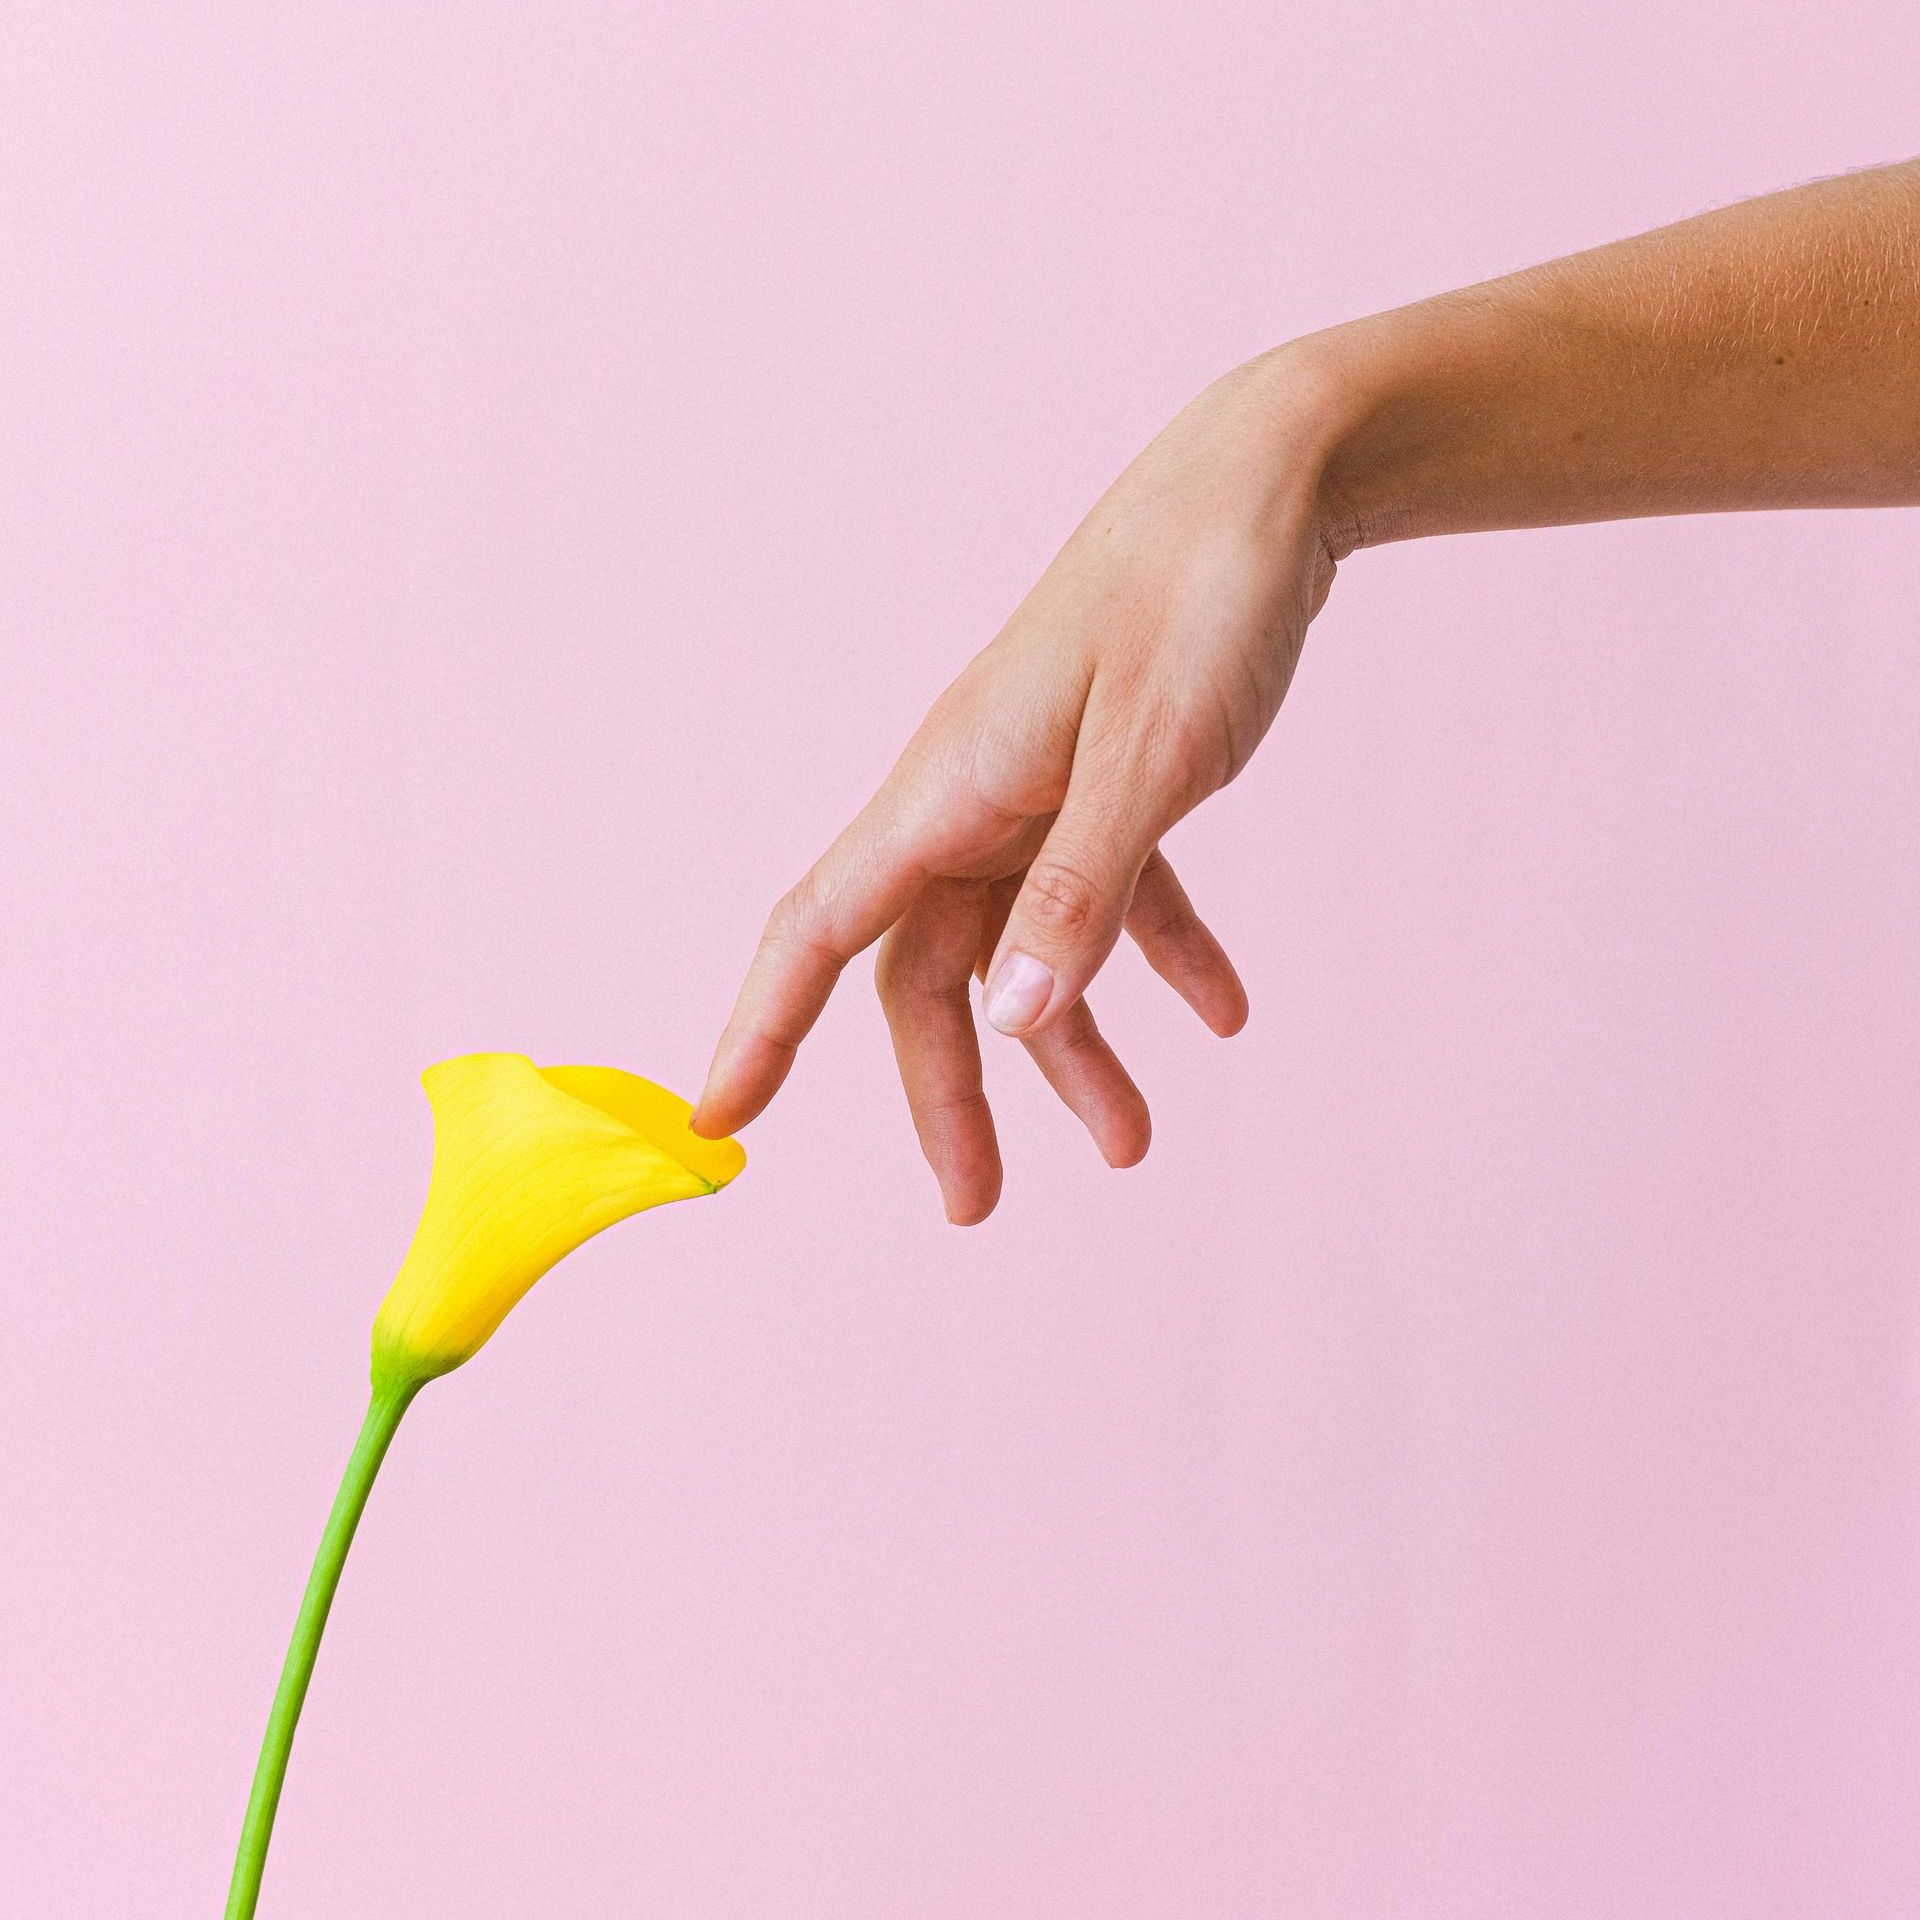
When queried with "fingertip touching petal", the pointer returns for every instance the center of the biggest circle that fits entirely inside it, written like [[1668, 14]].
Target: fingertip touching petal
[[654, 1113]]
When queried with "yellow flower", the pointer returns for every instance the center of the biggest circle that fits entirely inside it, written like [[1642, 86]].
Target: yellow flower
[[528, 1162]]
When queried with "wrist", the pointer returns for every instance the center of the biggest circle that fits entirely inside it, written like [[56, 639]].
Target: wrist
[[1317, 401], [1396, 416]]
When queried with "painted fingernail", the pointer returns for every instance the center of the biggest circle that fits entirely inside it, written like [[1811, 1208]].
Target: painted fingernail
[[1018, 992]]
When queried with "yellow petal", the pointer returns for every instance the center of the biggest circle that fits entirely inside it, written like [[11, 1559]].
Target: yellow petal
[[653, 1112], [527, 1164]]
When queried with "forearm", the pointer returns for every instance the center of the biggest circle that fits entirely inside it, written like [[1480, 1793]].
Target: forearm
[[1766, 355]]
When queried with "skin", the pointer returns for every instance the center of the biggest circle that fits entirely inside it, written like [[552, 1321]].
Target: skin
[[1765, 355]]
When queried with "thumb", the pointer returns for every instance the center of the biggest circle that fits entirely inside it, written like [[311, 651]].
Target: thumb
[[1070, 907]]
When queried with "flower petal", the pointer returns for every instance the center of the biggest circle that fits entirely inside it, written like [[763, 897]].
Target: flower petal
[[654, 1113], [526, 1166]]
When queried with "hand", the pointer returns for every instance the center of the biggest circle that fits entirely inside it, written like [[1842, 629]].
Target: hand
[[1758, 356], [1019, 832]]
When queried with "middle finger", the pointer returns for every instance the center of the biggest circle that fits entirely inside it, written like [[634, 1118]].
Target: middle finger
[[923, 974]]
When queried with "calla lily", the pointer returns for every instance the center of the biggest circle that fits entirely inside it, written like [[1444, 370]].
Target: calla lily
[[528, 1163]]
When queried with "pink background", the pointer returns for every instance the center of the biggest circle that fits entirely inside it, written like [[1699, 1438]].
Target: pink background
[[484, 492]]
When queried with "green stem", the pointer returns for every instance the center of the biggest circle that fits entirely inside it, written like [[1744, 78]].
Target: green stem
[[383, 1418]]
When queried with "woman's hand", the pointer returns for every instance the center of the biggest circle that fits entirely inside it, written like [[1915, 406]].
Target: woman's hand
[[1764, 355], [1018, 834]]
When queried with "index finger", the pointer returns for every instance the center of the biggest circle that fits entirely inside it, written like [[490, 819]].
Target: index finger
[[852, 894]]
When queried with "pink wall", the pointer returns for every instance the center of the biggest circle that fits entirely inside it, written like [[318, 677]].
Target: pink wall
[[484, 491]]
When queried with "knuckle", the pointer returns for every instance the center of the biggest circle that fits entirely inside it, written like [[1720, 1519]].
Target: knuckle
[[1182, 748], [954, 1105], [891, 972], [1161, 913], [1082, 1041], [904, 978], [1159, 921], [798, 916], [789, 911], [897, 976], [1060, 898]]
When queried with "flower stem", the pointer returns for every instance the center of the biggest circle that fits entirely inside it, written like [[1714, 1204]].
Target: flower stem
[[389, 1402]]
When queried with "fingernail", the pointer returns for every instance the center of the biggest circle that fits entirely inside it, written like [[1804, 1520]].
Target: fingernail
[[1018, 992], [699, 1121]]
